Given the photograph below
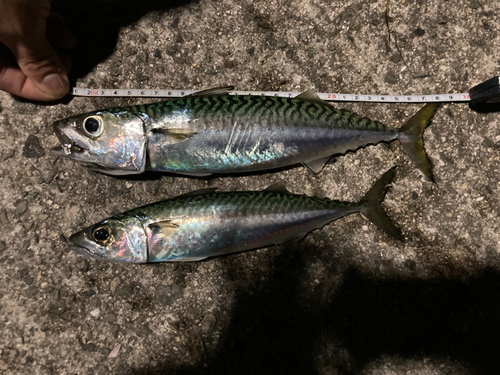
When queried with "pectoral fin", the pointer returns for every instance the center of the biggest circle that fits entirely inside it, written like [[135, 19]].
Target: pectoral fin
[[179, 134], [159, 234], [162, 240], [162, 227], [159, 238], [317, 165]]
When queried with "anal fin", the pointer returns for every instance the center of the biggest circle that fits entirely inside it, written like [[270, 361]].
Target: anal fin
[[194, 174], [189, 259], [278, 187], [317, 165], [293, 243]]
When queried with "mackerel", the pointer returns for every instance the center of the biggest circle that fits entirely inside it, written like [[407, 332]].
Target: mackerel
[[205, 224], [213, 132]]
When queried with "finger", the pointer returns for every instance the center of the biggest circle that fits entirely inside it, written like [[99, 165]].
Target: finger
[[43, 67], [14, 81]]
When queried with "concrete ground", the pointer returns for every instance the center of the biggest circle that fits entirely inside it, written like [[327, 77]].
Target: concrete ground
[[348, 300]]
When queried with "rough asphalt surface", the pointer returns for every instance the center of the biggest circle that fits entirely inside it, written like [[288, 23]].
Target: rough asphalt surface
[[347, 299]]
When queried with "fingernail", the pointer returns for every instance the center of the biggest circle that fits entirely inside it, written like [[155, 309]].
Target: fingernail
[[56, 84]]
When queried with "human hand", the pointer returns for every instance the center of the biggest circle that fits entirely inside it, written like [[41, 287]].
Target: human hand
[[26, 26]]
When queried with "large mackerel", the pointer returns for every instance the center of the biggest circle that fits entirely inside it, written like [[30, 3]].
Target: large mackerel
[[204, 224], [213, 132]]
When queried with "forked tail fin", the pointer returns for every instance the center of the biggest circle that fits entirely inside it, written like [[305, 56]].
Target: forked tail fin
[[412, 138], [370, 206]]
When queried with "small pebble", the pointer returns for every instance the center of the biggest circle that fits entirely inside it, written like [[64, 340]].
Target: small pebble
[[114, 352]]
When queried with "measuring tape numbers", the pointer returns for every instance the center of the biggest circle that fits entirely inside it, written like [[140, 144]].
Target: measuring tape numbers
[[484, 97]]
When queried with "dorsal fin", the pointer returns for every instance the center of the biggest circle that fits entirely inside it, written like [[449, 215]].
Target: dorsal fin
[[214, 91], [278, 188], [199, 192], [309, 95]]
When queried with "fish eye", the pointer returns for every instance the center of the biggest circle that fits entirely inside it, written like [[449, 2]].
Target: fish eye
[[101, 234], [93, 126]]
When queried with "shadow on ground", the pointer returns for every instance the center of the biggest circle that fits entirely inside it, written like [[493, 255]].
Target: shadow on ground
[[280, 331], [96, 25], [435, 318]]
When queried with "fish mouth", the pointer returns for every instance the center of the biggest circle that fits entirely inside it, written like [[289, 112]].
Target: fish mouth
[[82, 250], [68, 149], [67, 146], [76, 152]]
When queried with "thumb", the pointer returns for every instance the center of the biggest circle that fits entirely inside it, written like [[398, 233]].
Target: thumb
[[42, 66]]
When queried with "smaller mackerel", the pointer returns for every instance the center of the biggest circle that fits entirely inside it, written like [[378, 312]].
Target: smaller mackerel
[[214, 132], [205, 224]]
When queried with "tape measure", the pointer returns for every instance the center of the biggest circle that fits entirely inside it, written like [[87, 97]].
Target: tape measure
[[484, 97]]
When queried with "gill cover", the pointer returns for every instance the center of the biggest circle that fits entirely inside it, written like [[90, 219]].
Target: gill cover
[[109, 142], [121, 238]]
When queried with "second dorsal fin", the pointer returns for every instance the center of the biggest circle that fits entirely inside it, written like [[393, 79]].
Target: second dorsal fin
[[309, 95]]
